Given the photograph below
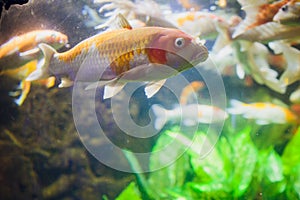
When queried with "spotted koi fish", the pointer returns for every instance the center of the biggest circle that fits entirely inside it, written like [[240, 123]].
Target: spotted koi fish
[[263, 113], [23, 48], [115, 57]]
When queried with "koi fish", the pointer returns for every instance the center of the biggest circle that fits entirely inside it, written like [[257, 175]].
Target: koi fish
[[258, 12], [258, 26], [189, 90], [139, 13], [253, 59], [289, 14], [20, 74], [263, 113], [292, 57], [202, 24], [191, 115], [23, 48], [150, 54]]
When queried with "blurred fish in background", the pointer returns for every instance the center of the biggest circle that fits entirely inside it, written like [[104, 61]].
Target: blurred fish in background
[[263, 113], [190, 114], [19, 58]]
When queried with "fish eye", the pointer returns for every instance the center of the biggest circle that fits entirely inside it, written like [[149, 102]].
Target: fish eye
[[53, 35], [284, 8], [179, 42]]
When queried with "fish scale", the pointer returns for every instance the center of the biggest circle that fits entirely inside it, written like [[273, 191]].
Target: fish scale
[[116, 57], [119, 46]]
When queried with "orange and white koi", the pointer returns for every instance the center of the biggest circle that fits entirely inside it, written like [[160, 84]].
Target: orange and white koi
[[23, 48], [258, 12], [289, 14], [20, 74], [190, 90], [201, 24], [258, 26], [190, 115], [263, 113], [115, 57]]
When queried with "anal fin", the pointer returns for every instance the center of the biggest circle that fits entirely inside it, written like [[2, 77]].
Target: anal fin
[[153, 87]]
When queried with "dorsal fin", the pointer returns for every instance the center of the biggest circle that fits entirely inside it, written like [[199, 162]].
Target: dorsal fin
[[118, 22], [122, 22]]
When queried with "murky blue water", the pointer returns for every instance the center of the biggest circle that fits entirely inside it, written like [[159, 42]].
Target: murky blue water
[[227, 128]]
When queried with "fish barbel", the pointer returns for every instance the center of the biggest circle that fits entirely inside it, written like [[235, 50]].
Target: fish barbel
[[113, 58], [23, 48]]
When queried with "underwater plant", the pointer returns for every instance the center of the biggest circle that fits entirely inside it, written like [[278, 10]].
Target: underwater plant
[[236, 168]]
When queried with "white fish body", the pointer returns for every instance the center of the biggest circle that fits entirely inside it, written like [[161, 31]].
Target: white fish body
[[189, 115], [292, 56], [262, 113]]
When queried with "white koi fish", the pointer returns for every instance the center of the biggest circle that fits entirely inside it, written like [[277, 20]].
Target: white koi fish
[[292, 57], [263, 113], [190, 115]]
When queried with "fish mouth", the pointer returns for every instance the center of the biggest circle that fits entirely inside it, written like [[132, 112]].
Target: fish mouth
[[200, 55]]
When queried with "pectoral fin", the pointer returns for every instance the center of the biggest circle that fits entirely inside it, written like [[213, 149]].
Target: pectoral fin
[[111, 87], [153, 87], [30, 53], [97, 84], [65, 82], [111, 90]]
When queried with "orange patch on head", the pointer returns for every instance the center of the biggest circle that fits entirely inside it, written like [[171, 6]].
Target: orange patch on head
[[157, 56], [266, 13]]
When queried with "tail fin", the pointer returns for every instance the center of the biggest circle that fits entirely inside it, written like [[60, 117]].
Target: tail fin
[[42, 70], [161, 117]]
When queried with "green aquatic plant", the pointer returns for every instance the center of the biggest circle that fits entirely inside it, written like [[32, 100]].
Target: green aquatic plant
[[235, 168]]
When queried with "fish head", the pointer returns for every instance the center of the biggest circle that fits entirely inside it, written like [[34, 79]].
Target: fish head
[[177, 50], [288, 14], [53, 38]]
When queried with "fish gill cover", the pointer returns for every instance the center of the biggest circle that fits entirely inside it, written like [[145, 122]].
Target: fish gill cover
[[226, 128]]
